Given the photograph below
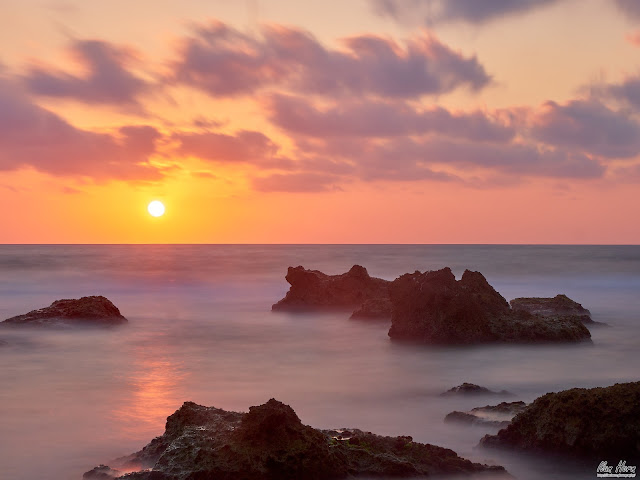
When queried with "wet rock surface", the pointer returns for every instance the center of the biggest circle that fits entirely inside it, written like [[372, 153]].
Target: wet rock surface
[[558, 306], [491, 415], [435, 308], [472, 389], [313, 290], [94, 310], [596, 423], [270, 442]]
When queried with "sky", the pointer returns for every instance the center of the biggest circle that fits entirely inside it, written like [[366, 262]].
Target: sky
[[280, 121]]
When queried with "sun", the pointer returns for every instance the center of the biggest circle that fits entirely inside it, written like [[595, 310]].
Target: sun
[[156, 208]]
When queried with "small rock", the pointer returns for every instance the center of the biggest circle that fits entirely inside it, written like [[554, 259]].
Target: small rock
[[95, 310], [491, 415], [472, 389], [558, 306]]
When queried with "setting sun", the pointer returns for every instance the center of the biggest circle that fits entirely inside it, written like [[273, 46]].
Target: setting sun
[[156, 208]]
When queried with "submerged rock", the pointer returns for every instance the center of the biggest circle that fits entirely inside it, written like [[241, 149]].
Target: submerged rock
[[472, 389], [491, 415], [271, 443], [95, 310], [314, 290], [435, 308], [558, 306], [597, 423]]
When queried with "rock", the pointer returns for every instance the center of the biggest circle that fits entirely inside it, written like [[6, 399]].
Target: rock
[[472, 389], [558, 306], [271, 443], [314, 290], [101, 472], [491, 415], [374, 308], [434, 308], [95, 310], [597, 423]]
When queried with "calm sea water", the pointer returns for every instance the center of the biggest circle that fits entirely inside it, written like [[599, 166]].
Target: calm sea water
[[201, 329]]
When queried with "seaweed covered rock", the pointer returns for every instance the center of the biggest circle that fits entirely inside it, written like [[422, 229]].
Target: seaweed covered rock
[[314, 290], [491, 415], [94, 310], [270, 442], [435, 308], [558, 306], [596, 423]]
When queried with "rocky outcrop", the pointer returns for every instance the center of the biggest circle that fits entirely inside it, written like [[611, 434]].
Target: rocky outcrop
[[101, 472], [598, 423], [435, 308], [270, 442], [472, 389], [95, 310], [489, 416], [314, 290], [558, 306]]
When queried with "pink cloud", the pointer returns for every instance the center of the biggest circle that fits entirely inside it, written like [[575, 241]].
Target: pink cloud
[[633, 38], [33, 136], [244, 146]]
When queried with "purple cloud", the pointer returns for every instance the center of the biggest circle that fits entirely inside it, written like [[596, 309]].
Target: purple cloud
[[631, 8], [223, 61], [470, 11], [107, 80], [588, 126], [382, 119]]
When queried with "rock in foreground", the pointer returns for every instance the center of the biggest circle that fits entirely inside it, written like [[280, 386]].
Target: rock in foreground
[[597, 423], [95, 310], [491, 416], [271, 443], [435, 308], [314, 290], [558, 306]]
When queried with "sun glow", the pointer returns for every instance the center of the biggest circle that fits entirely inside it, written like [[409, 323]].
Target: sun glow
[[156, 208]]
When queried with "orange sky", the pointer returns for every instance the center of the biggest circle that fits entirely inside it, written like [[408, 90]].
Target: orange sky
[[372, 121]]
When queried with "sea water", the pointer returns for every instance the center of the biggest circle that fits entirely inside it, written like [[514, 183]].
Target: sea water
[[201, 329]]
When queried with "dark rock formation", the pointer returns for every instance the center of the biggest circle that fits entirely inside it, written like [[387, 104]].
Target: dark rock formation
[[472, 389], [374, 308], [558, 306], [597, 423], [491, 416], [95, 310], [271, 443], [435, 308], [314, 290]]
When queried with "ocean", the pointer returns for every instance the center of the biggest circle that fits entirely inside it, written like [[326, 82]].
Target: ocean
[[201, 329]]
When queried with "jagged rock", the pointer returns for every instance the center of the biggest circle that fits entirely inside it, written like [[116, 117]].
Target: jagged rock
[[491, 415], [314, 290], [435, 308], [558, 306], [374, 308], [472, 389], [271, 443], [95, 310], [598, 423], [101, 472]]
